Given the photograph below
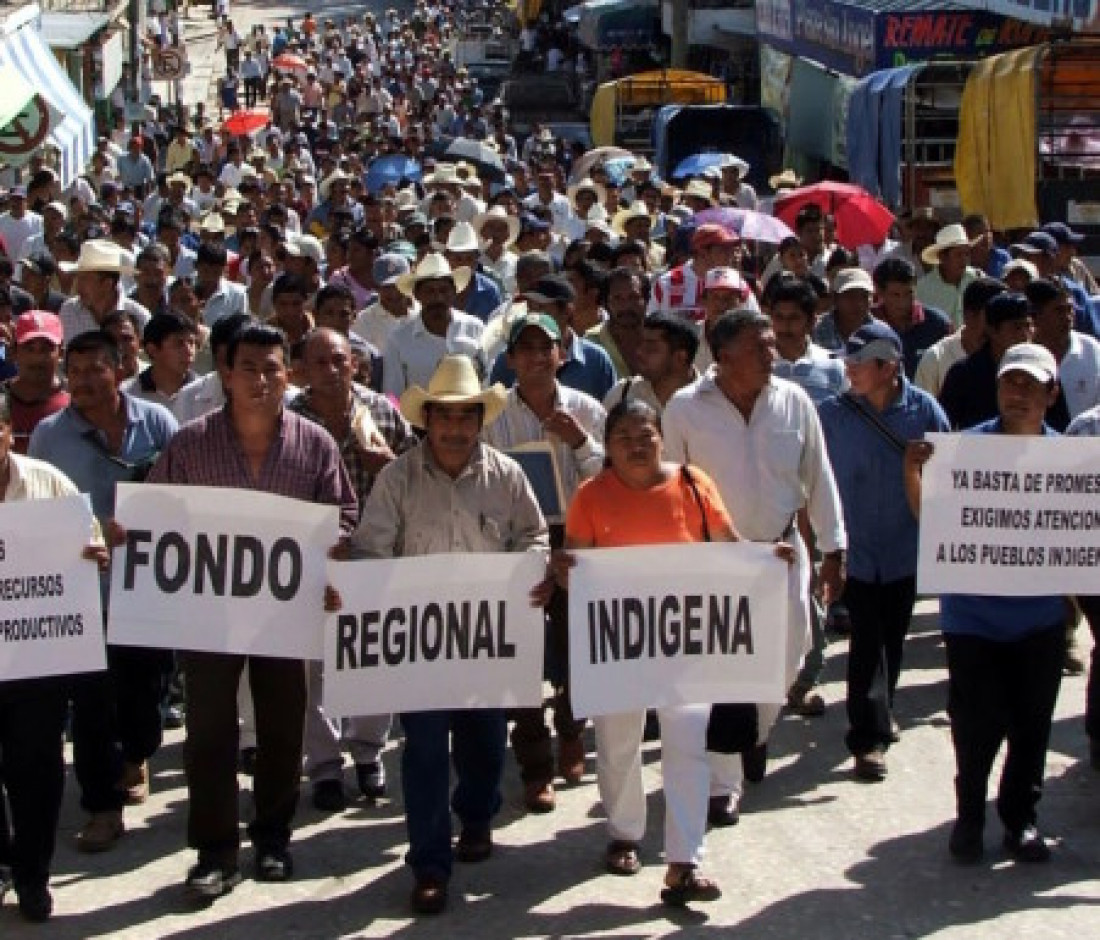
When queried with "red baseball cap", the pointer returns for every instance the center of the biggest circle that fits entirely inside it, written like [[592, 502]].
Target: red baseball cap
[[39, 324], [707, 235]]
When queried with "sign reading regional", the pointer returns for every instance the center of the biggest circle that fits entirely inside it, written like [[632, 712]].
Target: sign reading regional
[[676, 625], [51, 612], [434, 632], [1009, 515], [220, 570]]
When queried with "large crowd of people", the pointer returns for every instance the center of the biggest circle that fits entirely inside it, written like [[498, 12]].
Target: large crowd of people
[[357, 287]]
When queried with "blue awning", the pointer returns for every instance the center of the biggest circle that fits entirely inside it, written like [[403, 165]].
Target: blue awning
[[26, 52]]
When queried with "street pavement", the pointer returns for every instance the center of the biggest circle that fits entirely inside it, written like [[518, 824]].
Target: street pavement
[[816, 854]]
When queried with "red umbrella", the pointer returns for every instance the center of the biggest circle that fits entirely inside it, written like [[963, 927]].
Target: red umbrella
[[860, 218], [240, 123], [288, 61]]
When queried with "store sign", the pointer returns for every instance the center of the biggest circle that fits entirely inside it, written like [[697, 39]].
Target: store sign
[[915, 37]]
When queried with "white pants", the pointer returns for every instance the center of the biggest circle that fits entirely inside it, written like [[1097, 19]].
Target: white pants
[[686, 774], [245, 713], [364, 736]]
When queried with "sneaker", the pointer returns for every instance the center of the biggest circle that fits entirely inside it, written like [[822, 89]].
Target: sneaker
[[101, 832], [571, 759], [274, 865], [35, 904], [212, 880], [1027, 845], [372, 779], [134, 782], [965, 844], [871, 765], [329, 797]]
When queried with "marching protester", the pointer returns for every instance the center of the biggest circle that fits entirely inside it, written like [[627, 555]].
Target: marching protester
[[452, 493]]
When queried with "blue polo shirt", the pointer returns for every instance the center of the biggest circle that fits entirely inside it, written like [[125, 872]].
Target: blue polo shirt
[[882, 531], [588, 369], [483, 296], [1001, 619], [79, 450]]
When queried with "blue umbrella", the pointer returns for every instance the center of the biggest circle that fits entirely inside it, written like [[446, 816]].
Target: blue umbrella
[[697, 163], [391, 169]]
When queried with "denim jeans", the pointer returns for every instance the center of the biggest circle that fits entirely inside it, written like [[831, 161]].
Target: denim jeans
[[480, 736]]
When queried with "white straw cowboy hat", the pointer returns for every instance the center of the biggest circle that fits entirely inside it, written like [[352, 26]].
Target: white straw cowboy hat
[[498, 212], [433, 267], [336, 176], [462, 238], [788, 179], [98, 254], [700, 190], [636, 210], [950, 236], [454, 382], [587, 184], [446, 174]]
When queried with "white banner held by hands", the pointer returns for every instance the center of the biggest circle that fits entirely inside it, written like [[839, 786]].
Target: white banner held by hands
[[675, 625], [51, 609], [434, 632], [220, 570]]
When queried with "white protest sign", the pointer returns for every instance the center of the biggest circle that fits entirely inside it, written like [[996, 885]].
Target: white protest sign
[[675, 625], [51, 610], [220, 570], [1008, 515], [434, 632]]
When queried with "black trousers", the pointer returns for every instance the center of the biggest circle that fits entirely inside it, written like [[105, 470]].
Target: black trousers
[[116, 718], [32, 725], [880, 616], [1090, 607], [210, 751], [1002, 692]]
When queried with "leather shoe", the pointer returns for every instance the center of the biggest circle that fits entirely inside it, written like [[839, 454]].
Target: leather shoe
[[329, 797], [1027, 845], [212, 880], [101, 832], [539, 797], [871, 765], [474, 845], [723, 811], [965, 844], [754, 762], [134, 782], [274, 865], [429, 896], [571, 759], [36, 904]]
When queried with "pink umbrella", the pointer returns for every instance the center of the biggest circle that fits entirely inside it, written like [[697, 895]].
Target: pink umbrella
[[749, 224], [288, 61]]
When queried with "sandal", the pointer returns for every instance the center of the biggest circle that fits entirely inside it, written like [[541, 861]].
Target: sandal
[[621, 858], [690, 886]]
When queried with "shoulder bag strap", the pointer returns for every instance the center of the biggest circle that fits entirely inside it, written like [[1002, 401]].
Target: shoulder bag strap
[[884, 430], [690, 481]]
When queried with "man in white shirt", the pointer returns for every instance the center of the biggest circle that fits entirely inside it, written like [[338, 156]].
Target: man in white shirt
[[377, 321], [970, 337], [19, 224], [759, 439], [1078, 354], [98, 270], [415, 347]]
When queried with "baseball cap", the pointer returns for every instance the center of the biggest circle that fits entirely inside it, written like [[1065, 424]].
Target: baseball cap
[[39, 324], [552, 289], [306, 246], [1037, 243], [41, 262], [1007, 307], [874, 340], [388, 268], [1037, 361], [725, 279], [847, 279], [708, 235], [1062, 233], [539, 321]]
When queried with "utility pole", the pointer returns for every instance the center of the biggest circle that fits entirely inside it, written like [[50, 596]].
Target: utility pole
[[680, 10]]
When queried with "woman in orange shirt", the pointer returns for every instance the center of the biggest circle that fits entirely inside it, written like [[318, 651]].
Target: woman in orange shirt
[[639, 499]]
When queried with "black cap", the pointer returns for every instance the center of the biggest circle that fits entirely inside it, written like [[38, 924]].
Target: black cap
[[553, 288], [981, 291], [1007, 307]]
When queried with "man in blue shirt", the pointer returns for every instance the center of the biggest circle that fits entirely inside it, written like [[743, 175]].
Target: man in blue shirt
[[587, 367], [867, 432], [918, 326], [105, 437], [1004, 655]]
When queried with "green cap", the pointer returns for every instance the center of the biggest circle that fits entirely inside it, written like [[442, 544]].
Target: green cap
[[540, 321]]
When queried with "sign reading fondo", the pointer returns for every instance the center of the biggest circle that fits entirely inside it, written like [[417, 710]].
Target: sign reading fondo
[[1012, 516], [434, 632], [220, 570], [676, 625], [51, 612]]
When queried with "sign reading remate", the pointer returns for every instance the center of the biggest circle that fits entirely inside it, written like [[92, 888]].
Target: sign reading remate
[[220, 570], [677, 625], [51, 610], [1014, 516], [434, 632]]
